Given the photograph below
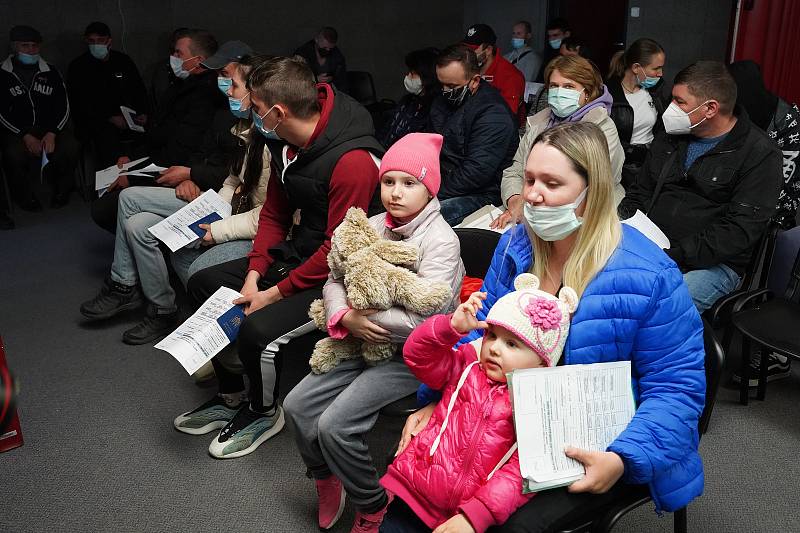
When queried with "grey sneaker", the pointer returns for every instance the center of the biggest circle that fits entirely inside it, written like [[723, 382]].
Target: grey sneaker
[[214, 414], [114, 298], [246, 431]]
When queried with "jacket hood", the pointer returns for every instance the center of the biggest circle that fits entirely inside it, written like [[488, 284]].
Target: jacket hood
[[605, 100]]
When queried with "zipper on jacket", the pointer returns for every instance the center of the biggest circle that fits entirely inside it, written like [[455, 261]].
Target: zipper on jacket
[[458, 488], [755, 208], [30, 89]]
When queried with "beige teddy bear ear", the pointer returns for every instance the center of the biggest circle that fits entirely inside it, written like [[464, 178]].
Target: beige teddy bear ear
[[569, 297], [526, 281]]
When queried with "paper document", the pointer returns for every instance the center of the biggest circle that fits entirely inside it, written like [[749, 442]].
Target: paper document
[[149, 171], [481, 219], [586, 406], [214, 326], [648, 228], [128, 114], [107, 176], [181, 228]]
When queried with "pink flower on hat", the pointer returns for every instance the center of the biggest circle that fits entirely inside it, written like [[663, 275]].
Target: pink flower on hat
[[543, 313]]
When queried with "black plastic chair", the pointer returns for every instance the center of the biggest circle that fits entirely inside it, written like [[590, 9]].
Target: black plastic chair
[[477, 248], [361, 87], [768, 321], [754, 277], [639, 494]]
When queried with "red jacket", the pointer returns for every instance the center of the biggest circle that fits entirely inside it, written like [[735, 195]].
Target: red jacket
[[479, 432], [507, 79]]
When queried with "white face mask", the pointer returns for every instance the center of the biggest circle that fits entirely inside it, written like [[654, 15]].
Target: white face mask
[[413, 85], [554, 223], [176, 64], [677, 121]]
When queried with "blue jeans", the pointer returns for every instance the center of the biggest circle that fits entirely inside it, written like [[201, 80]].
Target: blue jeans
[[708, 286], [455, 209]]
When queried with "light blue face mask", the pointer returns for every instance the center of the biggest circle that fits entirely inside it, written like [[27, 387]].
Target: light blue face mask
[[259, 124], [554, 223], [27, 59], [516, 44], [648, 82], [555, 44], [176, 64], [224, 84], [563, 102], [235, 105], [98, 51]]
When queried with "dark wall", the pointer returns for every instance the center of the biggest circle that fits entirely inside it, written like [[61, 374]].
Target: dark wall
[[374, 36], [689, 30], [502, 15]]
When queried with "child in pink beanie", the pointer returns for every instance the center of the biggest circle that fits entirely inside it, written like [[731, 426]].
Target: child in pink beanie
[[330, 412], [461, 473]]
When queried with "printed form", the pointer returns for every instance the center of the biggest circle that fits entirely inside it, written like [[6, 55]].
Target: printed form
[[214, 326], [182, 227], [586, 406]]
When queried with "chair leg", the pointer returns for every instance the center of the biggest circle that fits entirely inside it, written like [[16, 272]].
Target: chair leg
[[762, 378], [744, 372], [679, 522]]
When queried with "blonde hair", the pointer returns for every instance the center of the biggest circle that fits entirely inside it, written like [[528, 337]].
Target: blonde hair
[[585, 145], [579, 69]]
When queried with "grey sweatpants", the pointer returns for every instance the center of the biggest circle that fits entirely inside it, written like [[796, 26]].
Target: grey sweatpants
[[330, 413]]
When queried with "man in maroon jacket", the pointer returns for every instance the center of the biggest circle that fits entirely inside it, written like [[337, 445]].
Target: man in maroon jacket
[[496, 69], [326, 160]]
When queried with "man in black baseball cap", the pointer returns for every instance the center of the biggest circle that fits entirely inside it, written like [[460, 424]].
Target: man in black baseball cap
[[34, 114], [229, 52], [100, 81]]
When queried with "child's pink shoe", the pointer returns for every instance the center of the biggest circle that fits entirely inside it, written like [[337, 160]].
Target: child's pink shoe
[[371, 523], [331, 501]]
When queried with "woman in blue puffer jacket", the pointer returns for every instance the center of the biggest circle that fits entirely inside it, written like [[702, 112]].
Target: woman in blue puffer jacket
[[634, 306]]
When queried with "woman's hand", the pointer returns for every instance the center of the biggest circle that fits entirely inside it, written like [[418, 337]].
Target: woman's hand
[[361, 327], [456, 524], [603, 469], [415, 423], [258, 300], [512, 214], [464, 319], [208, 238]]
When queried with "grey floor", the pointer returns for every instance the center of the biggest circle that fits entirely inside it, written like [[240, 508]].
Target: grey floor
[[100, 452]]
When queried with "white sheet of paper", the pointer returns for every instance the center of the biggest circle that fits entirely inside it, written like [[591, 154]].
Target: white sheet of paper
[[128, 114], [481, 219], [200, 338], [586, 406], [149, 171], [174, 230], [648, 228], [107, 176]]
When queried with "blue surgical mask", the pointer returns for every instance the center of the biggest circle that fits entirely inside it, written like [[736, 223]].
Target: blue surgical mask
[[224, 84], [176, 64], [98, 51], [563, 102], [648, 82], [555, 44], [235, 105], [27, 59], [258, 121], [516, 44], [554, 223]]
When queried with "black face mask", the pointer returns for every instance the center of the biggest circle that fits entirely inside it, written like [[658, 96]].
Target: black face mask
[[455, 97], [324, 52]]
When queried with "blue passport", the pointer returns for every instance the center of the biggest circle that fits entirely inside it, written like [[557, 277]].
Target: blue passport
[[231, 321], [208, 219]]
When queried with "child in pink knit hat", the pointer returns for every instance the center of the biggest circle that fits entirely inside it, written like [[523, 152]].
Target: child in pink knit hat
[[330, 412], [461, 473]]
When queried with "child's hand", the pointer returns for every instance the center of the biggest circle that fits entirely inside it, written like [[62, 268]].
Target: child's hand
[[361, 327], [457, 524], [464, 319]]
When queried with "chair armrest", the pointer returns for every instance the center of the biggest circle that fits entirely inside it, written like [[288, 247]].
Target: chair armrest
[[720, 312], [746, 298]]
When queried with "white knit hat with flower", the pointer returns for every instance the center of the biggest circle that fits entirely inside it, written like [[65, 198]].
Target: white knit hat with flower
[[538, 318]]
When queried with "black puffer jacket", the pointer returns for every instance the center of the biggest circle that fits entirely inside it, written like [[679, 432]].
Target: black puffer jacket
[[480, 139], [715, 211]]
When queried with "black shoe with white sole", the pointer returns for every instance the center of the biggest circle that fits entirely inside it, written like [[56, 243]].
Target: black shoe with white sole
[[776, 369]]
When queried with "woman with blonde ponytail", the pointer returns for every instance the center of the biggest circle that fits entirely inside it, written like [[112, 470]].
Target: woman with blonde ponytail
[[634, 81], [634, 306]]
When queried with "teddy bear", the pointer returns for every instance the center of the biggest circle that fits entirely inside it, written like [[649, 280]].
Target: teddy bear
[[377, 275]]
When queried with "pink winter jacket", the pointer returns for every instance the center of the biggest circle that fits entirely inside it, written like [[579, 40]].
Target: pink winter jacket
[[479, 432]]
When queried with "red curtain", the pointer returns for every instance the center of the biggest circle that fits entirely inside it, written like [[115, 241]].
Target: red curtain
[[768, 34]]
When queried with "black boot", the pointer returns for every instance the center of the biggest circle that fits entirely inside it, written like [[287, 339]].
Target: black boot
[[154, 327], [114, 298]]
